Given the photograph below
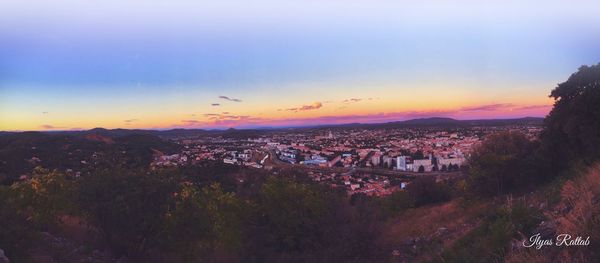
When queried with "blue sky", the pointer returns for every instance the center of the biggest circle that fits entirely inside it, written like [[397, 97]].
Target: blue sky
[[118, 53]]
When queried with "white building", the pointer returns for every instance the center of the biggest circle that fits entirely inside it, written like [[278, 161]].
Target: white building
[[401, 163], [425, 163], [450, 161]]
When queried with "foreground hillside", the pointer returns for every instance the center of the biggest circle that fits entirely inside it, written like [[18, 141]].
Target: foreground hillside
[[109, 218], [20, 153], [496, 229]]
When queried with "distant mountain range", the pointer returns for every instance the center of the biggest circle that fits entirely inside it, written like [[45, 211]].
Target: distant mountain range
[[439, 122], [449, 122], [422, 122]]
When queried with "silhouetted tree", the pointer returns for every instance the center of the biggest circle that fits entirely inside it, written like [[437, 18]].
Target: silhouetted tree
[[572, 131]]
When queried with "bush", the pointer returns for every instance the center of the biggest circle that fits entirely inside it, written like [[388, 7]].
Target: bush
[[129, 208], [301, 222], [16, 234], [424, 190], [396, 203], [504, 162], [204, 220]]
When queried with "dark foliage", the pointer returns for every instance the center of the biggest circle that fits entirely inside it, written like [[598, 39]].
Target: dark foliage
[[129, 208], [504, 162], [424, 190], [572, 129]]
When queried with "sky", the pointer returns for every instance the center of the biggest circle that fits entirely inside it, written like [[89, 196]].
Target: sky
[[70, 65]]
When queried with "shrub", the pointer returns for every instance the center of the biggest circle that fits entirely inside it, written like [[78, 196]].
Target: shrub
[[424, 190], [502, 163]]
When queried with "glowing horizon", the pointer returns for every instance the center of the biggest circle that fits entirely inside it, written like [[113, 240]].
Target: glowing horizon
[[70, 65]]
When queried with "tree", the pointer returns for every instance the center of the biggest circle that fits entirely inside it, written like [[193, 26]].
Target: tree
[[572, 129], [204, 220], [128, 207], [421, 169], [502, 162], [305, 222], [45, 197], [424, 190], [294, 213], [30, 206], [418, 155]]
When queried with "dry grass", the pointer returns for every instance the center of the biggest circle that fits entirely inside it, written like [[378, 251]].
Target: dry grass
[[527, 255], [577, 214], [581, 203], [426, 220], [424, 224], [580, 200]]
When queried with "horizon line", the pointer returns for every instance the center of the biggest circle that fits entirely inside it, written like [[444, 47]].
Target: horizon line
[[261, 127]]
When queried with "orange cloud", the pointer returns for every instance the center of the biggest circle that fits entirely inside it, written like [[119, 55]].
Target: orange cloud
[[352, 100], [314, 106]]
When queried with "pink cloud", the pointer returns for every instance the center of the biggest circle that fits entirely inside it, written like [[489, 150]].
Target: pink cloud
[[534, 107], [486, 111], [488, 107]]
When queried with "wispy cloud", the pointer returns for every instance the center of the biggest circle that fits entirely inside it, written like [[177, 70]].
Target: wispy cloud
[[229, 98], [488, 107], [215, 104], [130, 121], [352, 100], [48, 127], [221, 120], [534, 107], [190, 121], [314, 106]]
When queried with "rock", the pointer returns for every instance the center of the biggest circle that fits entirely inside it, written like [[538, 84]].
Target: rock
[[3, 258], [396, 252]]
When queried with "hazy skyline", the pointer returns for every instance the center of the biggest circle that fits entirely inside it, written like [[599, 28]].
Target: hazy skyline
[[76, 65]]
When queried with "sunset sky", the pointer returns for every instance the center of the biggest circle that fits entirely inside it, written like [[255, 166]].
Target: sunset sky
[[184, 64]]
